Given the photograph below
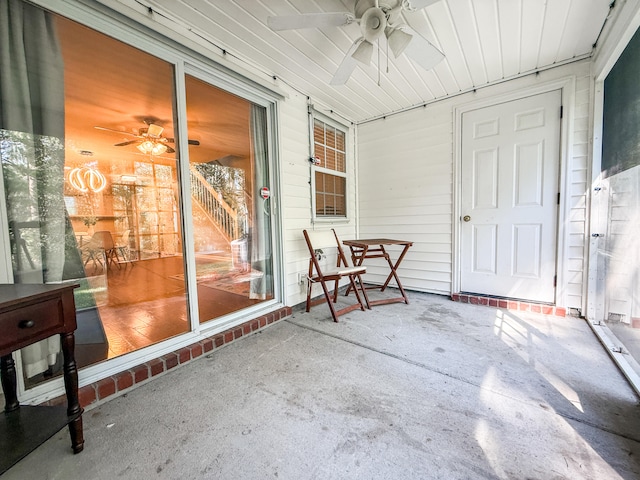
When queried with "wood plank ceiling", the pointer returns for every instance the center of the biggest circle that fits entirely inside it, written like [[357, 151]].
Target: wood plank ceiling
[[484, 42]]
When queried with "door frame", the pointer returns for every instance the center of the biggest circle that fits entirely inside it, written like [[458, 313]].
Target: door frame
[[567, 87]]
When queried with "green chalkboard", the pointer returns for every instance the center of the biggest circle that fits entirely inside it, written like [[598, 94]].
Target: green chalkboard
[[621, 123]]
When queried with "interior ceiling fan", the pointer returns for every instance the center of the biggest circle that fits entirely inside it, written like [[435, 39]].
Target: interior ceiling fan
[[377, 18], [149, 139]]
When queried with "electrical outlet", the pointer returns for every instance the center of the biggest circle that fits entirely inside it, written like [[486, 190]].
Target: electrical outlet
[[301, 278]]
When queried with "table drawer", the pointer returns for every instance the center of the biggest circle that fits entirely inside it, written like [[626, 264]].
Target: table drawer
[[26, 323]]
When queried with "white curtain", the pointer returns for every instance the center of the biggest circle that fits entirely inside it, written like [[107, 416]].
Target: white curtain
[[261, 285], [32, 153]]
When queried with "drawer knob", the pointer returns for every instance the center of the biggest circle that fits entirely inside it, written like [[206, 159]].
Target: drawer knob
[[26, 324]]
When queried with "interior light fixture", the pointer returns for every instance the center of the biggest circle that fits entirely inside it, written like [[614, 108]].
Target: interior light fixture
[[372, 25], [86, 179], [364, 52], [398, 40], [152, 147]]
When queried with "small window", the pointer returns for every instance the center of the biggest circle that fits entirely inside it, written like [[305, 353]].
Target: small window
[[329, 177]]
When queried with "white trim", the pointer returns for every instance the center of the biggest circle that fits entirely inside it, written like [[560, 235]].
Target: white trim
[[567, 86], [6, 269], [189, 258], [623, 24], [622, 359], [347, 130], [275, 183], [594, 303]]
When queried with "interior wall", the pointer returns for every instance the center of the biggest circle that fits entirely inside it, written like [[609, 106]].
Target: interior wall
[[406, 183]]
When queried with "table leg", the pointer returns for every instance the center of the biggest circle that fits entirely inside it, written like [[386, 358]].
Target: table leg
[[394, 268], [357, 257], [9, 383], [71, 387]]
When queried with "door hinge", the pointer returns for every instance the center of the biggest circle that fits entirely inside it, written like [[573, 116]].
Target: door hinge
[[555, 280], [558, 198], [561, 110]]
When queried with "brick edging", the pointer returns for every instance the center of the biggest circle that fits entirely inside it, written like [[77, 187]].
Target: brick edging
[[510, 304], [116, 384]]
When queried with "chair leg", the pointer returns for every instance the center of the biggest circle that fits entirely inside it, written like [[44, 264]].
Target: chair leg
[[309, 286], [355, 289], [364, 290], [327, 295], [335, 291]]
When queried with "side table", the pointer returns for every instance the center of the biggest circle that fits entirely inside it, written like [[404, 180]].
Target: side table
[[30, 313]]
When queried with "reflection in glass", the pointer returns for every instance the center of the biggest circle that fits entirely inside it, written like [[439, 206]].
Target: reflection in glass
[[84, 204], [231, 220], [90, 170]]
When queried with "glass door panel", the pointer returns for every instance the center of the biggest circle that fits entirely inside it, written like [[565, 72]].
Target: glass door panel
[[90, 171], [228, 166]]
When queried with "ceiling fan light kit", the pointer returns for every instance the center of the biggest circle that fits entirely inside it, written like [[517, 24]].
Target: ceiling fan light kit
[[375, 17], [149, 140], [152, 147], [364, 52], [398, 40]]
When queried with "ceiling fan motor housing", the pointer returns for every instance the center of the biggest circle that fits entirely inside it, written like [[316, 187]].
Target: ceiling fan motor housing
[[362, 6], [373, 23]]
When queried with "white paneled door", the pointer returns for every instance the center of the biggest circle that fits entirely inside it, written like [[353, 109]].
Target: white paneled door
[[509, 198]]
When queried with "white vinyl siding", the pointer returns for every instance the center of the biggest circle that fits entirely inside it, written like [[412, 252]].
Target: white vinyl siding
[[296, 192], [406, 191]]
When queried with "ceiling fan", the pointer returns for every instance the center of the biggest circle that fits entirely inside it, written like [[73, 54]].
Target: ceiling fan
[[149, 139], [377, 18]]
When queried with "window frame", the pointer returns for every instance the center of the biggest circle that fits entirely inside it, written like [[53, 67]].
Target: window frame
[[315, 217]]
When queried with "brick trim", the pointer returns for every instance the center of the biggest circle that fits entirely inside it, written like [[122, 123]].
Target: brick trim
[[510, 304], [119, 383]]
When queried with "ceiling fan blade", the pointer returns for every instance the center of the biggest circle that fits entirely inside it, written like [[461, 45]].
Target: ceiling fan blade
[[347, 66], [170, 150], [309, 20], [419, 4], [126, 143], [115, 131], [423, 52], [191, 142]]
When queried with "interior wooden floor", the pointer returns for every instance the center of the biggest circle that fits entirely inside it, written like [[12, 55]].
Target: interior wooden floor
[[144, 302]]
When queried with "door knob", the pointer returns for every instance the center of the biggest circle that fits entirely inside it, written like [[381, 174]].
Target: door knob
[[466, 218]]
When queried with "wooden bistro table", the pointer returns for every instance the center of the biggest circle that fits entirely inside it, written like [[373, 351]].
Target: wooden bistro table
[[374, 248], [29, 313]]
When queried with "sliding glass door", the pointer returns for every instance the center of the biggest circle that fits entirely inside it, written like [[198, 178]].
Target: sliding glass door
[[228, 169], [95, 188]]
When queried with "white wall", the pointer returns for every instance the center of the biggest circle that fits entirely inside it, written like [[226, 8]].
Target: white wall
[[406, 183], [296, 191]]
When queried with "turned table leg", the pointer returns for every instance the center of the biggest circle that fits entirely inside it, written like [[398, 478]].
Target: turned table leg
[[9, 383], [71, 387]]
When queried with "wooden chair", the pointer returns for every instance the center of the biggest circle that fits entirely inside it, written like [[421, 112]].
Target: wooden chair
[[319, 243]]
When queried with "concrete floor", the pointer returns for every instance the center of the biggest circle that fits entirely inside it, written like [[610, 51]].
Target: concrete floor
[[430, 390]]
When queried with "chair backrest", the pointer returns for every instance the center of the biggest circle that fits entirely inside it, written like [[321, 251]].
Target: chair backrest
[[124, 239], [321, 240], [104, 239]]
